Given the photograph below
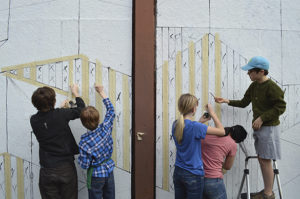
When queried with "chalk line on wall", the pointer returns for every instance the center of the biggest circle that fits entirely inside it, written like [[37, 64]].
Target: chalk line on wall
[[4, 25]]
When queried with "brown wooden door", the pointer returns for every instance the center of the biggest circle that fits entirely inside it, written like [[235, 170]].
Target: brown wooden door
[[143, 180]]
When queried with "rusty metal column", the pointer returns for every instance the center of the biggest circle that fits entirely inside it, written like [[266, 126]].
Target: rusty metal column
[[143, 132]]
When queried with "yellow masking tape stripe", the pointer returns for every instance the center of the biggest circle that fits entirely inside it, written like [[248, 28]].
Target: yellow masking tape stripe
[[205, 70], [112, 96], [38, 84], [178, 83], [43, 62], [98, 79], [20, 178], [85, 81], [126, 125], [218, 73], [71, 69], [33, 73], [20, 72], [165, 95], [7, 175], [192, 67]]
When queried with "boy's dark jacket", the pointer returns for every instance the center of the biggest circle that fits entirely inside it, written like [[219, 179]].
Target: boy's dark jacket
[[56, 141]]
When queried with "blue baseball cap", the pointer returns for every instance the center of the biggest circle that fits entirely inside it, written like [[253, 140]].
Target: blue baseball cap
[[257, 62]]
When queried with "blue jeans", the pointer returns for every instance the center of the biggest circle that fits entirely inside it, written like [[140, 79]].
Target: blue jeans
[[102, 187], [214, 188], [187, 185]]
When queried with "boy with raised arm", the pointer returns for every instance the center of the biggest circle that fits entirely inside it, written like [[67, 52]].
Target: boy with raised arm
[[57, 146], [96, 147]]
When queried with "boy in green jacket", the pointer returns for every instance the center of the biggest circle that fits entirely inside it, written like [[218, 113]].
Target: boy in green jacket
[[268, 104]]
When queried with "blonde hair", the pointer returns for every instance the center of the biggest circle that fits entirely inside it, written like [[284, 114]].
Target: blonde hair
[[186, 105]]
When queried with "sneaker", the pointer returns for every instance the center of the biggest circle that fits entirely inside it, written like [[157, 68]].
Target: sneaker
[[262, 195], [256, 193]]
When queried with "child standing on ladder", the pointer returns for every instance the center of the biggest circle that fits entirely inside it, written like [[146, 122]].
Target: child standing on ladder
[[268, 104]]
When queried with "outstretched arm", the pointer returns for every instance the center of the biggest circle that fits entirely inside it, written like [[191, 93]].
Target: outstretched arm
[[110, 112], [75, 90], [100, 89], [74, 113], [219, 129], [221, 100]]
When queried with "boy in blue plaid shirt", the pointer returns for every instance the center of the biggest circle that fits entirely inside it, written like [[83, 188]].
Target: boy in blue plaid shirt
[[96, 147]]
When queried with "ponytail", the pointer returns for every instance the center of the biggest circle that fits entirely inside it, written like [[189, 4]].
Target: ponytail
[[186, 105], [179, 128]]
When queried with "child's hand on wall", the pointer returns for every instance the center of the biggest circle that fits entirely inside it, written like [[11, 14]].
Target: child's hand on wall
[[65, 104], [75, 90], [100, 89]]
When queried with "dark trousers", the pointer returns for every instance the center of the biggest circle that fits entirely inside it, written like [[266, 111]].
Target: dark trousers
[[102, 187], [59, 183]]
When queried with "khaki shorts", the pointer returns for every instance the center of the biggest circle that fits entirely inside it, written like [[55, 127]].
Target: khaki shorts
[[267, 142]]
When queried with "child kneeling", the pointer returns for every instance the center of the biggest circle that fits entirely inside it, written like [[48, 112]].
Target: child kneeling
[[96, 147]]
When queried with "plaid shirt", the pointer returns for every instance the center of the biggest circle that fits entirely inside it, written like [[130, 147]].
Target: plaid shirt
[[96, 147]]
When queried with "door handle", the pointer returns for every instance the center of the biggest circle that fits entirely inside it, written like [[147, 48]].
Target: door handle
[[139, 136]]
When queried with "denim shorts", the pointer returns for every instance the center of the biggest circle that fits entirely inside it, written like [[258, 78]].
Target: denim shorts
[[187, 185], [214, 188]]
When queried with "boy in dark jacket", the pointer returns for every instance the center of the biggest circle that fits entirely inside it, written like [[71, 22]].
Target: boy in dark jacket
[[57, 146]]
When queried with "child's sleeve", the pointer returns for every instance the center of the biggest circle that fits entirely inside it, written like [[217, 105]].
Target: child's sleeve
[[83, 158], [110, 114], [73, 113], [233, 149], [245, 101], [201, 131]]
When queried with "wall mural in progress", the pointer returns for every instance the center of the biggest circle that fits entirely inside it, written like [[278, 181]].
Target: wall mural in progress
[[19, 175], [189, 61]]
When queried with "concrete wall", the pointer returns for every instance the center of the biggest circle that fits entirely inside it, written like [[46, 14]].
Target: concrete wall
[[186, 55], [56, 43]]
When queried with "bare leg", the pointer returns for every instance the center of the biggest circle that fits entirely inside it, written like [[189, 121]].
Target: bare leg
[[268, 175]]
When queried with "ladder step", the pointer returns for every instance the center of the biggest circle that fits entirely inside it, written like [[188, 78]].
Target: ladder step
[[244, 195]]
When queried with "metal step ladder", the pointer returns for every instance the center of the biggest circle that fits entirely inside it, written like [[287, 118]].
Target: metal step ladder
[[246, 176]]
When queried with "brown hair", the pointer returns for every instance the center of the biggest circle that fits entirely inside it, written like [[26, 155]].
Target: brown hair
[[90, 117], [186, 105], [43, 99], [257, 70]]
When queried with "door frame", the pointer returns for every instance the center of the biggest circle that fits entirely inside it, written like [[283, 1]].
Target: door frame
[[144, 99]]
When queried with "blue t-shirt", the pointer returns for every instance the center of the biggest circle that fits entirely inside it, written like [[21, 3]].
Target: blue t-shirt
[[188, 153]]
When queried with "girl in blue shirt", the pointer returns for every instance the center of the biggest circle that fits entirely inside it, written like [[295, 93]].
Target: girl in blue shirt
[[188, 175]]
